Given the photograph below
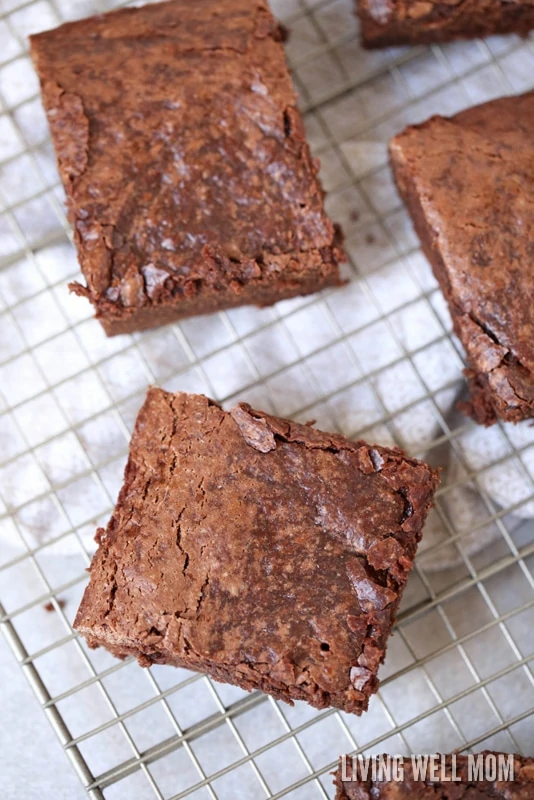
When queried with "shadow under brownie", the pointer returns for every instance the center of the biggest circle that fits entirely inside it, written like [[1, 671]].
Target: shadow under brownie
[[395, 22], [468, 182], [261, 551], [189, 182]]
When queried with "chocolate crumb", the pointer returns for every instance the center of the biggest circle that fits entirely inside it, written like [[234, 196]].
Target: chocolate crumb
[[50, 607]]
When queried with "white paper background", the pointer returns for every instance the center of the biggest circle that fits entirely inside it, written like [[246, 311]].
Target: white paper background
[[372, 360]]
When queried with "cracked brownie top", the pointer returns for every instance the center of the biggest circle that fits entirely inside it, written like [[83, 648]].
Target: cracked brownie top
[[265, 552], [182, 152], [469, 184]]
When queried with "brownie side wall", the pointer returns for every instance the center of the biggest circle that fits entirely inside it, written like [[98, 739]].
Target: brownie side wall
[[485, 406], [468, 24], [116, 320], [250, 681]]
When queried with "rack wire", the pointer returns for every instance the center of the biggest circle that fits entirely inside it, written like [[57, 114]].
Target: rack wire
[[375, 360]]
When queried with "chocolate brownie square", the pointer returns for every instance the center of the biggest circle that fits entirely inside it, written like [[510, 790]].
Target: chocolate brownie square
[[263, 552], [396, 22], [189, 182], [468, 183]]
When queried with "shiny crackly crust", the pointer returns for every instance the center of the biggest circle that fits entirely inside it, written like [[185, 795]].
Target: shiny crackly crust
[[189, 182], [396, 22], [468, 183], [521, 788], [261, 551]]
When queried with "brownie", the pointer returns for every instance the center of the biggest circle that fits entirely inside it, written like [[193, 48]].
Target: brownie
[[190, 185], [521, 787], [397, 22], [261, 551], [468, 183]]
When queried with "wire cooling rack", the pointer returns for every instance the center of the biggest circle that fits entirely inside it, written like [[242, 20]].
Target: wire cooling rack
[[374, 360]]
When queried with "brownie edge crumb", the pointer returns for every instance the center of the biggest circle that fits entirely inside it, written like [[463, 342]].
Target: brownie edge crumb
[[50, 607]]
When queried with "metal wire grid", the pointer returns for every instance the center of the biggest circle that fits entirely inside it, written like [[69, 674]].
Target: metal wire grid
[[473, 622]]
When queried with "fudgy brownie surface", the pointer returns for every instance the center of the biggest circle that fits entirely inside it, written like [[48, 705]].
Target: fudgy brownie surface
[[468, 182], [395, 22], [261, 551], [520, 788], [189, 182]]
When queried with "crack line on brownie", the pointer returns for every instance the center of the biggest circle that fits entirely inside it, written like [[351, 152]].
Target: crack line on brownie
[[508, 358], [458, 312], [178, 614], [77, 114]]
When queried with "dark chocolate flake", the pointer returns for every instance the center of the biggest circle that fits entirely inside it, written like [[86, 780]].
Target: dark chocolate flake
[[408, 507], [360, 677], [377, 459], [154, 279], [255, 431], [371, 595]]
